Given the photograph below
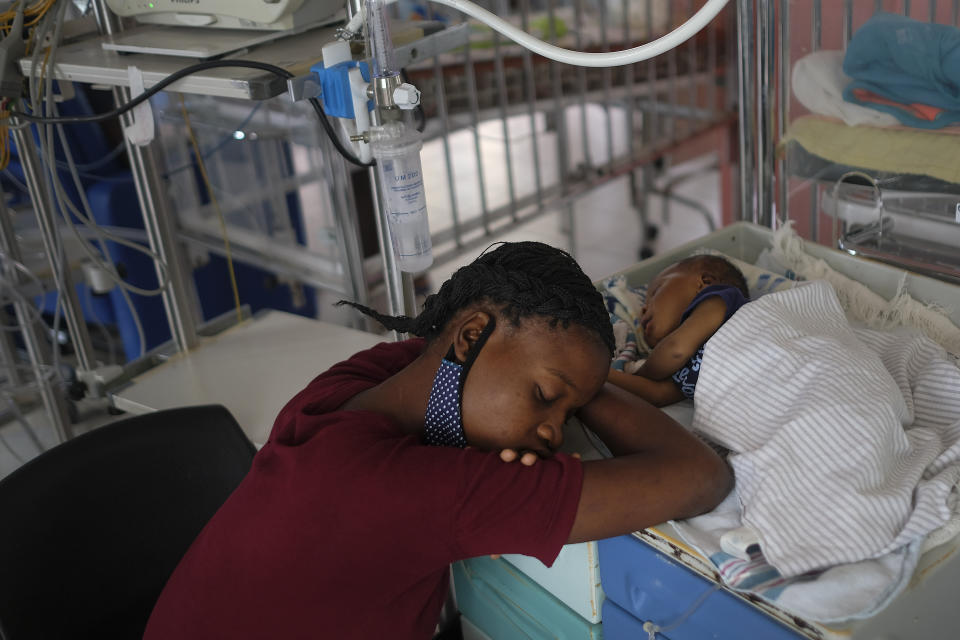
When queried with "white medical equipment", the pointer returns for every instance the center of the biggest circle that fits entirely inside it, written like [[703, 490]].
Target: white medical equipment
[[268, 15]]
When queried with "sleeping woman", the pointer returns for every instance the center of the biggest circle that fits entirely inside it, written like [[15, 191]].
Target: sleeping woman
[[393, 464]]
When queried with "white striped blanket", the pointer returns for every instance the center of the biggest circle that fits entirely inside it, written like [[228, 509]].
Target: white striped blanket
[[846, 442]]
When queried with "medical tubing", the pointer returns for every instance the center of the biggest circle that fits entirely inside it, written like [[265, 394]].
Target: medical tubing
[[101, 235], [101, 327], [12, 403], [47, 132], [36, 316], [230, 137], [116, 152], [652, 628], [179, 75], [86, 217], [202, 166], [39, 86], [583, 59]]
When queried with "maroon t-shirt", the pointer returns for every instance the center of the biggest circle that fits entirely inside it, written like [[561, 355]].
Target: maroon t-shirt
[[345, 526]]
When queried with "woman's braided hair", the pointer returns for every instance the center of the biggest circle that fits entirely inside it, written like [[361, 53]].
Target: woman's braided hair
[[523, 279]]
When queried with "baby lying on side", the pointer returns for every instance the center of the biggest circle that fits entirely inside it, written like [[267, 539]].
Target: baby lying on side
[[686, 304]]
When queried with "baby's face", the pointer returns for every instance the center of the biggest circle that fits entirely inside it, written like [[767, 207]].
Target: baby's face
[[668, 296]]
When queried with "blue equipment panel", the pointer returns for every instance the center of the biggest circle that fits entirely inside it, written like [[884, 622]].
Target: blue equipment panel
[[650, 586], [620, 625], [505, 604]]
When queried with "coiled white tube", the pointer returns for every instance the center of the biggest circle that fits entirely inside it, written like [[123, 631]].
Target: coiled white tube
[[580, 58]]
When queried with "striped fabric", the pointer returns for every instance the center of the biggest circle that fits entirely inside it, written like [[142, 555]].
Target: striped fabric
[[846, 442]]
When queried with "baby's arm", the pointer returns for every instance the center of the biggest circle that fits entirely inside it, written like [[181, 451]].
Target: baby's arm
[[679, 346], [659, 393]]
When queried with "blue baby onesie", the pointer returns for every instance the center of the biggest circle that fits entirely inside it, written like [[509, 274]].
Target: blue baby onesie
[[686, 377]]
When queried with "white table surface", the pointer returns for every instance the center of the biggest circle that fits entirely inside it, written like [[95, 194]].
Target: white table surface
[[252, 369]]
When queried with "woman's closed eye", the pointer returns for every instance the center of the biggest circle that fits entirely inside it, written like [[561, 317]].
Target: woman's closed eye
[[542, 397]]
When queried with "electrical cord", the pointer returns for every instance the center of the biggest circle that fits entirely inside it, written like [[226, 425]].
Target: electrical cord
[[183, 73], [9, 288], [41, 91], [117, 151], [35, 13], [101, 235], [219, 145], [86, 217], [40, 87], [216, 206], [608, 59]]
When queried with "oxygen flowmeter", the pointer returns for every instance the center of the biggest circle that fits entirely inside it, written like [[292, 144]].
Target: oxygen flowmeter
[[373, 106]]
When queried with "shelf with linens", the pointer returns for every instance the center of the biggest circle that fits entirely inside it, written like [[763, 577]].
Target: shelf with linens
[[869, 154]]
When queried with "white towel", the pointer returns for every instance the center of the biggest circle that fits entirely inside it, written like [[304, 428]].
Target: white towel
[[847, 442], [818, 82]]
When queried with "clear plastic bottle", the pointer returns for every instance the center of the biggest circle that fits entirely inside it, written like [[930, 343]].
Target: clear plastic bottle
[[397, 151]]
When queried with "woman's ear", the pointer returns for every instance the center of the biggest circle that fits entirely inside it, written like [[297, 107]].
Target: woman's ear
[[468, 332]]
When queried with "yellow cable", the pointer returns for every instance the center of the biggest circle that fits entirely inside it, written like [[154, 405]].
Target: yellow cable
[[38, 10], [216, 205]]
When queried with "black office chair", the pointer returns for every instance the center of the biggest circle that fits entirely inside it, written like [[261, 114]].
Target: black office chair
[[91, 530]]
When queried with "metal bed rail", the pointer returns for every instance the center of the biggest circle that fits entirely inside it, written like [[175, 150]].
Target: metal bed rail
[[565, 122]]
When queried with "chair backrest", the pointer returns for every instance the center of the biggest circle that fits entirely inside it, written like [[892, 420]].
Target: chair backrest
[[92, 529]]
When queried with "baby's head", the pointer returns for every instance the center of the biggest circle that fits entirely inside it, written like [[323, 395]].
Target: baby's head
[[673, 289]]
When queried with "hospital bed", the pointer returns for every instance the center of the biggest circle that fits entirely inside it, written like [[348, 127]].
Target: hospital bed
[[615, 586]]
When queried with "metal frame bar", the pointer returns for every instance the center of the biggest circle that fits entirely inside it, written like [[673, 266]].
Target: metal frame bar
[[53, 399], [47, 220], [747, 106], [766, 29], [179, 298]]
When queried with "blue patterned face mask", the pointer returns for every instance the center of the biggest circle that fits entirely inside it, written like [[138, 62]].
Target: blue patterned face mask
[[443, 424]]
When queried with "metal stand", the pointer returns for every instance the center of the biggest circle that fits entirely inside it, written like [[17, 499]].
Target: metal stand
[[179, 299], [53, 399], [747, 104], [49, 230]]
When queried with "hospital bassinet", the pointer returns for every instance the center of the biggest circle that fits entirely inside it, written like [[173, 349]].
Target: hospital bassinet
[[652, 575]]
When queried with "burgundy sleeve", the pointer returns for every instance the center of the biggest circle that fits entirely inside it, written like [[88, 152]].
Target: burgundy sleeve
[[511, 508]]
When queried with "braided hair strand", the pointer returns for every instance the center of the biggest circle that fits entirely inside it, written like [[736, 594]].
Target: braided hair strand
[[524, 279]]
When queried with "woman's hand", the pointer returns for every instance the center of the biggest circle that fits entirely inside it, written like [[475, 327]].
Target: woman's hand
[[528, 458]]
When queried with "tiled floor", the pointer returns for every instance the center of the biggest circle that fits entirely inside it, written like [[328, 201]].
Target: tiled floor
[[607, 238]]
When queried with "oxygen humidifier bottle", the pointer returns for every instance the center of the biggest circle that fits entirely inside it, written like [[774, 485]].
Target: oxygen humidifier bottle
[[401, 179]]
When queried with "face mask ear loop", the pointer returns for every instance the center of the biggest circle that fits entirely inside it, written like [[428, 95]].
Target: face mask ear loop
[[443, 423], [475, 351]]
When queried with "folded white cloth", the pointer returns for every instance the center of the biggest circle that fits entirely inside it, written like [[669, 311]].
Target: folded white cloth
[[846, 448], [818, 82]]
